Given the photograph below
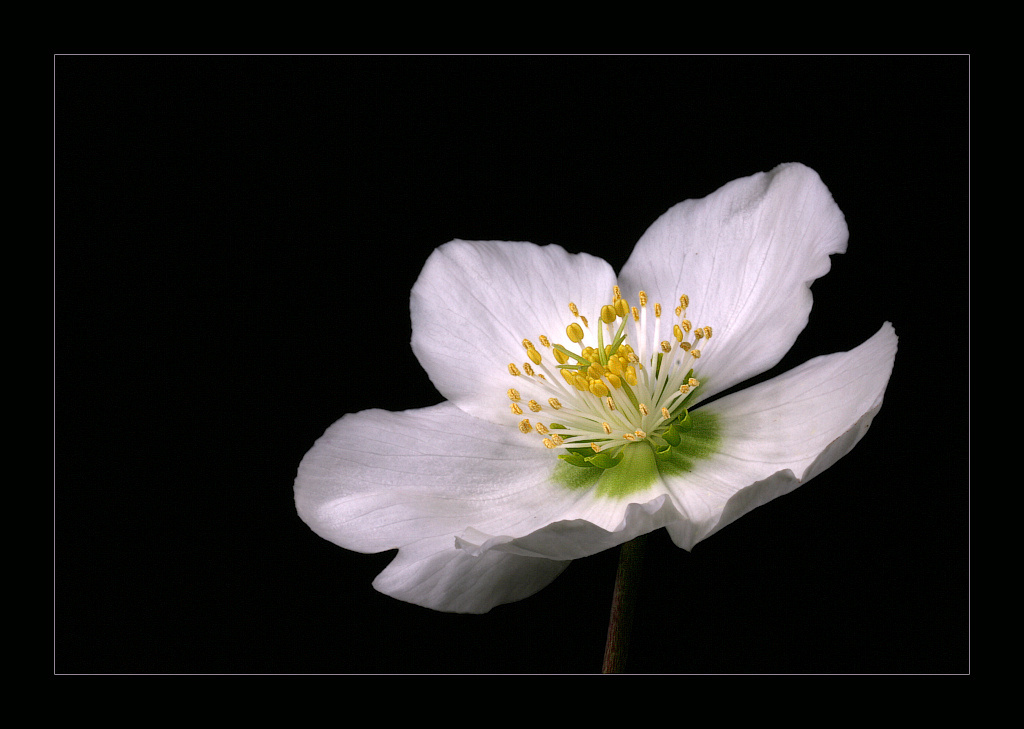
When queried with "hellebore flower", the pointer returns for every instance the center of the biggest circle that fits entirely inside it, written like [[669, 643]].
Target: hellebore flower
[[572, 422]]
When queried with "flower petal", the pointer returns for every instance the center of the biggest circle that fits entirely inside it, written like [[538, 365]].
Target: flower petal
[[476, 301], [746, 256], [781, 433]]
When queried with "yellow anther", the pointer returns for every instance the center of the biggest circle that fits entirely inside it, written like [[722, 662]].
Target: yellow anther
[[527, 345], [679, 311], [630, 376], [629, 436], [580, 382], [707, 332], [545, 342], [639, 434], [643, 409], [665, 413], [534, 406], [513, 394], [684, 389], [516, 410], [595, 447], [524, 426], [694, 382], [528, 369], [685, 324], [570, 376], [595, 370], [684, 301], [534, 355], [608, 313], [666, 347], [541, 428], [616, 293], [695, 353], [513, 370], [685, 346], [616, 364], [598, 388], [548, 443], [574, 331], [584, 320], [677, 332], [561, 357], [556, 439], [622, 308], [553, 402], [643, 298], [609, 403], [607, 428], [636, 314], [573, 309], [614, 380]]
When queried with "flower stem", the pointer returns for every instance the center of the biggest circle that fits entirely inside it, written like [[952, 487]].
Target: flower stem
[[627, 582]]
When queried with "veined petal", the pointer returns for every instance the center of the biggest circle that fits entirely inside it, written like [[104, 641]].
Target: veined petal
[[779, 434], [746, 256], [417, 480], [476, 301]]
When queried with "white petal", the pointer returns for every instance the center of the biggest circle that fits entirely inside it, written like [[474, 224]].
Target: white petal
[[746, 256], [475, 302], [779, 434]]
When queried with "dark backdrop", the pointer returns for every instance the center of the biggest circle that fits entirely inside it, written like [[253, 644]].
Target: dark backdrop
[[235, 241]]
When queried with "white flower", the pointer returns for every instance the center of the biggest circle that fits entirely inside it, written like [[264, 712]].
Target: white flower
[[572, 422]]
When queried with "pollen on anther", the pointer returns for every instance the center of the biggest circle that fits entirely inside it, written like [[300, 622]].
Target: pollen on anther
[[544, 341], [534, 406], [666, 347], [684, 301], [657, 309], [643, 298], [573, 309], [556, 439], [707, 332], [541, 428], [534, 355], [524, 426], [694, 382], [516, 410], [548, 443], [553, 402], [695, 353], [528, 369], [609, 403], [595, 447], [639, 434], [665, 413], [513, 394], [643, 409], [527, 345], [513, 370], [607, 428]]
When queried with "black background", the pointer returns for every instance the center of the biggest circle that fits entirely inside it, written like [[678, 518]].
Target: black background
[[235, 241]]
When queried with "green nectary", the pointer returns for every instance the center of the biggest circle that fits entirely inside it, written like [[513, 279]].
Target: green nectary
[[689, 438]]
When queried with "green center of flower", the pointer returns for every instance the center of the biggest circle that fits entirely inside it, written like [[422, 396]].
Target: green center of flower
[[615, 384]]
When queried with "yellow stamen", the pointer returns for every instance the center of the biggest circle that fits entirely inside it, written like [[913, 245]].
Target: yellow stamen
[[524, 426], [657, 309], [548, 443], [513, 370], [573, 309], [513, 394], [553, 402], [642, 408], [607, 313], [622, 308], [609, 403], [541, 428], [607, 428], [516, 409], [574, 331], [665, 414], [544, 341], [534, 355], [598, 388], [677, 332], [528, 369], [534, 406], [643, 298], [595, 447]]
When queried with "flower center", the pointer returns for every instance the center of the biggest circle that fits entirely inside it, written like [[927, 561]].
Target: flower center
[[616, 383]]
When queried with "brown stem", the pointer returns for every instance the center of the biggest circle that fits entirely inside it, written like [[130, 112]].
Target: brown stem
[[627, 581]]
